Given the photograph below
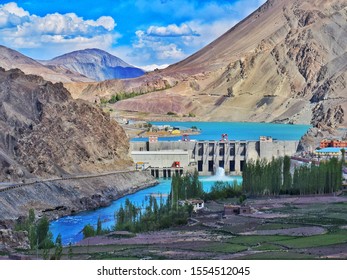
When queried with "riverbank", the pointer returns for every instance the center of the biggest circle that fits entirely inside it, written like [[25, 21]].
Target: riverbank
[[295, 227], [65, 197]]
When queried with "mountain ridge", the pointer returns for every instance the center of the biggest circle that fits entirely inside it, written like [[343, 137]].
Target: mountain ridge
[[11, 59], [96, 64], [286, 62]]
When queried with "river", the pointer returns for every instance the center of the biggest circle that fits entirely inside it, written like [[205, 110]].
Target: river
[[70, 227]]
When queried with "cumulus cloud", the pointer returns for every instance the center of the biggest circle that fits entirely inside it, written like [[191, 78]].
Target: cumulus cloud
[[171, 30], [11, 15], [156, 48], [20, 29], [69, 25]]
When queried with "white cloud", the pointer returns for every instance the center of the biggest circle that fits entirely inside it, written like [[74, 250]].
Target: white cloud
[[20, 29], [171, 30], [156, 48], [152, 67], [173, 43], [11, 15], [67, 25], [12, 8], [208, 32]]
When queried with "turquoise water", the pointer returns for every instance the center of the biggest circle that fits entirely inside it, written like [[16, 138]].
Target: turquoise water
[[70, 227], [236, 130]]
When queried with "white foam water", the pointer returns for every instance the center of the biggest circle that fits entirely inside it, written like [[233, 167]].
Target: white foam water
[[219, 176]]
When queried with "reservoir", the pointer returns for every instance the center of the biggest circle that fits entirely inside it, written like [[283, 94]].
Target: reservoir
[[235, 130]]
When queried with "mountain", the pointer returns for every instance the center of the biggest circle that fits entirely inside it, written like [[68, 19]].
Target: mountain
[[11, 59], [95, 64], [286, 62], [46, 133]]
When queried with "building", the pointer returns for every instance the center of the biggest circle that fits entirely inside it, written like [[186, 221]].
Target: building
[[334, 143], [328, 152], [197, 203], [230, 209], [207, 156]]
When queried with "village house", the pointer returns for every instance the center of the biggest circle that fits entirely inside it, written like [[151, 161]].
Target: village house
[[230, 209], [197, 203]]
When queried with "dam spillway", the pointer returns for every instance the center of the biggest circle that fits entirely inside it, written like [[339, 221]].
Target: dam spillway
[[161, 157]]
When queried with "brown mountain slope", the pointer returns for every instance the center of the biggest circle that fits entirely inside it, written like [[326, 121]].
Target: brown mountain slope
[[286, 62], [11, 59], [44, 132]]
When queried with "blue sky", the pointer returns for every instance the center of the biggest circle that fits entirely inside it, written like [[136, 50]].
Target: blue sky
[[145, 33]]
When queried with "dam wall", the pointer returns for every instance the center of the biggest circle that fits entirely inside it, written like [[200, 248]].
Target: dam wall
[[206, 156]]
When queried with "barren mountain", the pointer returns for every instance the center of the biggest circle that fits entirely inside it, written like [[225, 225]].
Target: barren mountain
[[11, 59], [286, 62], [44, 132], [96, 64]]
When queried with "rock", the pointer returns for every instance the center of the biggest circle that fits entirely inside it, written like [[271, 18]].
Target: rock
[[46, 133], [10, 240]]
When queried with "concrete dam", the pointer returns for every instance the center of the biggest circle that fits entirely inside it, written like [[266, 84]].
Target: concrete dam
[[164, 158]]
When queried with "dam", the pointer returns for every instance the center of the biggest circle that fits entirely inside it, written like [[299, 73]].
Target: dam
[[164, 158]]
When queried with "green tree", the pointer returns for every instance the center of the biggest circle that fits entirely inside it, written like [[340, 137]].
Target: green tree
[[58, 248], [88, 231], [99, 227], [70, 253], [31, 218], [44, 237], [343, 156]]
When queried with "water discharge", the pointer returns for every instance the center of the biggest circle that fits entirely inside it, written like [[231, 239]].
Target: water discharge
[[219, 176]]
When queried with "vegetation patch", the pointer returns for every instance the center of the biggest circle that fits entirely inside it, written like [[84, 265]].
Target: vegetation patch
[[316, 241], [254, 240], [279, 255], [274, 226], [268, 247], [223, 248]]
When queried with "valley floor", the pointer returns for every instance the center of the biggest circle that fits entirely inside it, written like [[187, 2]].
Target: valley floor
[[308, 227]]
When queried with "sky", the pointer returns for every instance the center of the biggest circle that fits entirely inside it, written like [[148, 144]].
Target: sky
[[144, 33]]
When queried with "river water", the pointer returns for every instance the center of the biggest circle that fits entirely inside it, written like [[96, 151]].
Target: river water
[[70, 227]]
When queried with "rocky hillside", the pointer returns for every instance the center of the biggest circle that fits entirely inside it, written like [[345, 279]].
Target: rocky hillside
[[44, 132], [286, 62], [11, 59], [96, 64]]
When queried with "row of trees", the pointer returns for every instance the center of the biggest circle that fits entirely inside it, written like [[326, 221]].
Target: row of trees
[[154, 216], [273, 178], [159, 214], [325, 178], [123, 95]]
